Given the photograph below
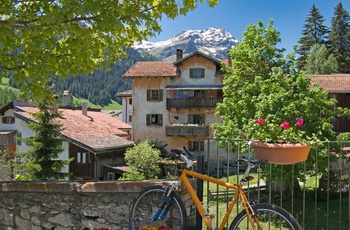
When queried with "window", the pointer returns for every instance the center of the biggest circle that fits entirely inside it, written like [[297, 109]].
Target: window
[[110, 176], [83, 160], [130, 101], [18, 138], [199, 94], [154, 95], [130, 118], [81, 157], [8, 120], [197, 73], [196, 119], [154, 119], [78, 157], [196, 146], [12, 138]]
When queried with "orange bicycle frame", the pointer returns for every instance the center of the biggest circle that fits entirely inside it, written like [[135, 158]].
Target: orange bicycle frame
[[238, 194]]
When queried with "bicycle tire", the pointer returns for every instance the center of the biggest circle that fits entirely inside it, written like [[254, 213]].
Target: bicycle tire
[[147, 204], [270, 217]]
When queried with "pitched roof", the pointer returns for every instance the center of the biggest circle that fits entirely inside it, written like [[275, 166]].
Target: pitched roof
[[127, 93], [151, 69], [197, 53], [96, 132], [333, 83], [162, 68]]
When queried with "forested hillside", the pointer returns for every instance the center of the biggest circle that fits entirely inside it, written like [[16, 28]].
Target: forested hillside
[[101, 86], [7, 95]]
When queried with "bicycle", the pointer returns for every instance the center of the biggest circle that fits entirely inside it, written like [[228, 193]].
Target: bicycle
[[162, 208]]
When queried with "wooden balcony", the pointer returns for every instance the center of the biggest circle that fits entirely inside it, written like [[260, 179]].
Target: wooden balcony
[[187, 130], [192, 102]]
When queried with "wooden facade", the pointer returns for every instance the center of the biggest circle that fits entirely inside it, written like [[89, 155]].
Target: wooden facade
[[81, 167]]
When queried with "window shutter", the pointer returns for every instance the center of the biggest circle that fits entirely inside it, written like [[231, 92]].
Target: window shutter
[[202, 73], [190, 146], [191, 73], [3, 119], [190, 119], [12, 119], [148, 95], [160, 95], [202, 117], [148, 119], [160, 119]]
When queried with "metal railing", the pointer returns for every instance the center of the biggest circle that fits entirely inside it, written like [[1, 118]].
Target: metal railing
[[186, 130], [192, 102], [316, 192]]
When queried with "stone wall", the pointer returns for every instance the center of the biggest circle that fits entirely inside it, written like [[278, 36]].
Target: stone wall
[[72, 205]]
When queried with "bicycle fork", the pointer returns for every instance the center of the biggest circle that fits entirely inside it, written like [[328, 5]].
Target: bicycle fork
[[165, 205]]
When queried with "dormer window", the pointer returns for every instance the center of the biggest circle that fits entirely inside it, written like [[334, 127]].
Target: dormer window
[[197, 72], [8, 120]]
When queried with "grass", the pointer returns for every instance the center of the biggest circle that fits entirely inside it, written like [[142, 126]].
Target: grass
[[5, 81], [113, 106]]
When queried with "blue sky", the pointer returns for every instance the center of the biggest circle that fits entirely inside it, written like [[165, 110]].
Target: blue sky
[[234, 16]]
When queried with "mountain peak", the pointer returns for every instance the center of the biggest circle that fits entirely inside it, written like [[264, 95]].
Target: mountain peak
[[215, 42]]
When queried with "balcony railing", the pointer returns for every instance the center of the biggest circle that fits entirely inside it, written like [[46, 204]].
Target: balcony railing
[[186, 130], [193, 102]]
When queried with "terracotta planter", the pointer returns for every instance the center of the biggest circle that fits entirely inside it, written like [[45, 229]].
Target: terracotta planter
[[281, 154]]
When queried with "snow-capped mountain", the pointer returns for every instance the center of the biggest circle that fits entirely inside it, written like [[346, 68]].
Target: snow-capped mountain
[[215, 42]]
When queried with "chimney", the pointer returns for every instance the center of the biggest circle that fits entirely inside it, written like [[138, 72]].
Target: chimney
[[178, 54], [55, 104], [229, 59], [84, 108], [66, 98]]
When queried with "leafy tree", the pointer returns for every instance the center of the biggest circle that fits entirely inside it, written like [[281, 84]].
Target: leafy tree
[[42, 160], [262, 83], [320, 62], [143, 161], [339, 38], [70, 37], [314, 32]]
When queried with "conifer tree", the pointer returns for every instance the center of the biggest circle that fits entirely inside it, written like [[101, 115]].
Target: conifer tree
[[42, 160], [314, 32], [339, 38]]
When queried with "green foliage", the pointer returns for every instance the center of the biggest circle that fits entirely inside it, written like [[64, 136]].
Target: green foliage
[[42, 160], [263, 84], [318, 61], [71, 37], [143, 161]]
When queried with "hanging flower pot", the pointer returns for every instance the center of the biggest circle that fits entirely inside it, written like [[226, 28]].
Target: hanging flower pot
[[281, 154]]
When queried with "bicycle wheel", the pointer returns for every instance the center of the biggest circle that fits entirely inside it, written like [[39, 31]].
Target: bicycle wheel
[[269, 217], [146, 206]]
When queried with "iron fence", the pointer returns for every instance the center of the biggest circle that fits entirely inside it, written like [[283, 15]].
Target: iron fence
[[316, 192]]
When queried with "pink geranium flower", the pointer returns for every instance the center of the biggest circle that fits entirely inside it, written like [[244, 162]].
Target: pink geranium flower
[[260, 121], [285, 125], [300, 122]]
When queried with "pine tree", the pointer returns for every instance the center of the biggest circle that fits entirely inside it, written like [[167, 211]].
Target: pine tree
[[314, 32], [339, 38], [42, 160]]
